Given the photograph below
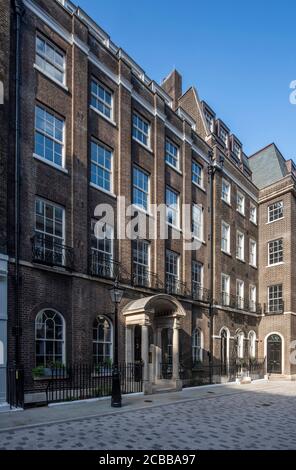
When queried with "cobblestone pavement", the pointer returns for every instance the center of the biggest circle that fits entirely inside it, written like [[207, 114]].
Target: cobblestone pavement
[[261, 418]]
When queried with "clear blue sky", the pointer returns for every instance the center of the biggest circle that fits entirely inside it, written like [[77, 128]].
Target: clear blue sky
[[241, 57]]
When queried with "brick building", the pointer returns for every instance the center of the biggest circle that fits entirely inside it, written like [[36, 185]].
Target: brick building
[[93, 127]]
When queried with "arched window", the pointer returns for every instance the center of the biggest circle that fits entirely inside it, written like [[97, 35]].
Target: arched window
[[240, 345], [252, 344], [49, 338], [102, 340], [196, 345]]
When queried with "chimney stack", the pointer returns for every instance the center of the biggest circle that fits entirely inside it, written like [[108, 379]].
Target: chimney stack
[[172, 84]]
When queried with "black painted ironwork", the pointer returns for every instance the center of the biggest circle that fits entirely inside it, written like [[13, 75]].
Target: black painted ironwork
[[15, 387], [50, 251], [84, 381]]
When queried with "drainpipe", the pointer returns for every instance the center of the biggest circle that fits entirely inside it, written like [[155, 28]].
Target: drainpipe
[[212, 169], [17, 325]]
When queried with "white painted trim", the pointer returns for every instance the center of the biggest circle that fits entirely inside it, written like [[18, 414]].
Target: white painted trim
[[50, 163], [98, 188], [283, 347], [64, 331], [54, 80], [110, 121]]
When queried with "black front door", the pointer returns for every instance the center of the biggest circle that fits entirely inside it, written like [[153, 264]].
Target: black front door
[[274, 354]]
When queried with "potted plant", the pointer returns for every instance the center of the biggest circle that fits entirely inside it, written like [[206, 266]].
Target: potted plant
[[38, 372]]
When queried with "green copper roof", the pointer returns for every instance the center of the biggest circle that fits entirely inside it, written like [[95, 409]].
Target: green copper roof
[[268, 166]]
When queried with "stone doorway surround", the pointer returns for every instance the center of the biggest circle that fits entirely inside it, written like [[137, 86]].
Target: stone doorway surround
[[157, 312]]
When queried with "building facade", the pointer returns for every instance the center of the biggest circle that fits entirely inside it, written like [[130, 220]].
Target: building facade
[[95, 129]]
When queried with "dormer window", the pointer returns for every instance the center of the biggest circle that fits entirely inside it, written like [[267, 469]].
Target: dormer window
[[223, 134], [210, 120], [237, 150]]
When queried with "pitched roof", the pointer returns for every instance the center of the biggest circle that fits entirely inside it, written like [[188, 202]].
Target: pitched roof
[[268, 166]]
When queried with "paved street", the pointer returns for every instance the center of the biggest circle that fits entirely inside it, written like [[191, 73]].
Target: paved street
[[256, 416]]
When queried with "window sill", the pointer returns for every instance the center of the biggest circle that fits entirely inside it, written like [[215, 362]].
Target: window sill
[[275, 264], [199, 187], [276, 220], [48, 162], [95, 110], [241, 213], [64, 87], [149, 149], [140, 209], [226, 202], [98, 188], [174, 227], [174, 168], [254, 223], [226, 253], [240, 259], [254, 266]]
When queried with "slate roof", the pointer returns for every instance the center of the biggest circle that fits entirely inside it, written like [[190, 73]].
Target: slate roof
[[268, 166]]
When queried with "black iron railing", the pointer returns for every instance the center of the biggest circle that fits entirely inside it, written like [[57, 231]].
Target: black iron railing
[[103, 265], [274, 307], [84, 381], [15, 387], [240, 303], [201, 294], [166, 370], [176, 287], [49, 250], [144, 278]]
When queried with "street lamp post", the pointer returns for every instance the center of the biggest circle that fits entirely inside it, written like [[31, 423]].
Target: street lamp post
[[116, 295], [213, 167]]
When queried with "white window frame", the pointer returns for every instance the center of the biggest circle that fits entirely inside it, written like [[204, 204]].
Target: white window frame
[[252, 297], [46, 135], [145, 267], [197, 286], [240, 195], [108, 231], [197, 346], [169, 154], [141, 190], [253, 210], [104, 103], [252, 344], [210, 120], [45, 340], [226, 226], [175, 209], [176, 275], [135, 127], [105, 169], [240, 294], [48, 234], [272, 210], [225, 279], [224, 136], [237, 150], [275, 251], [240, 246], [277, 299], [240, 344], [198, 222], [253, 253], [226, 184], [44, 57], [200, 176], [104, 342]]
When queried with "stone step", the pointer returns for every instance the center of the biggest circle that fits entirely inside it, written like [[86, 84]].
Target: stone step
[[273, 377]]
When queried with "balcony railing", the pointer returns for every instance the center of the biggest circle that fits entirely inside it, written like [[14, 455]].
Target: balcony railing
[[176, 287], [50, 251], [275, 307], [201, 294], [240, 303], [104, 266], [144, 278]]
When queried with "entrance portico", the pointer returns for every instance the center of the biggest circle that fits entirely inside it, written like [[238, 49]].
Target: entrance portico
[[152, 335]]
